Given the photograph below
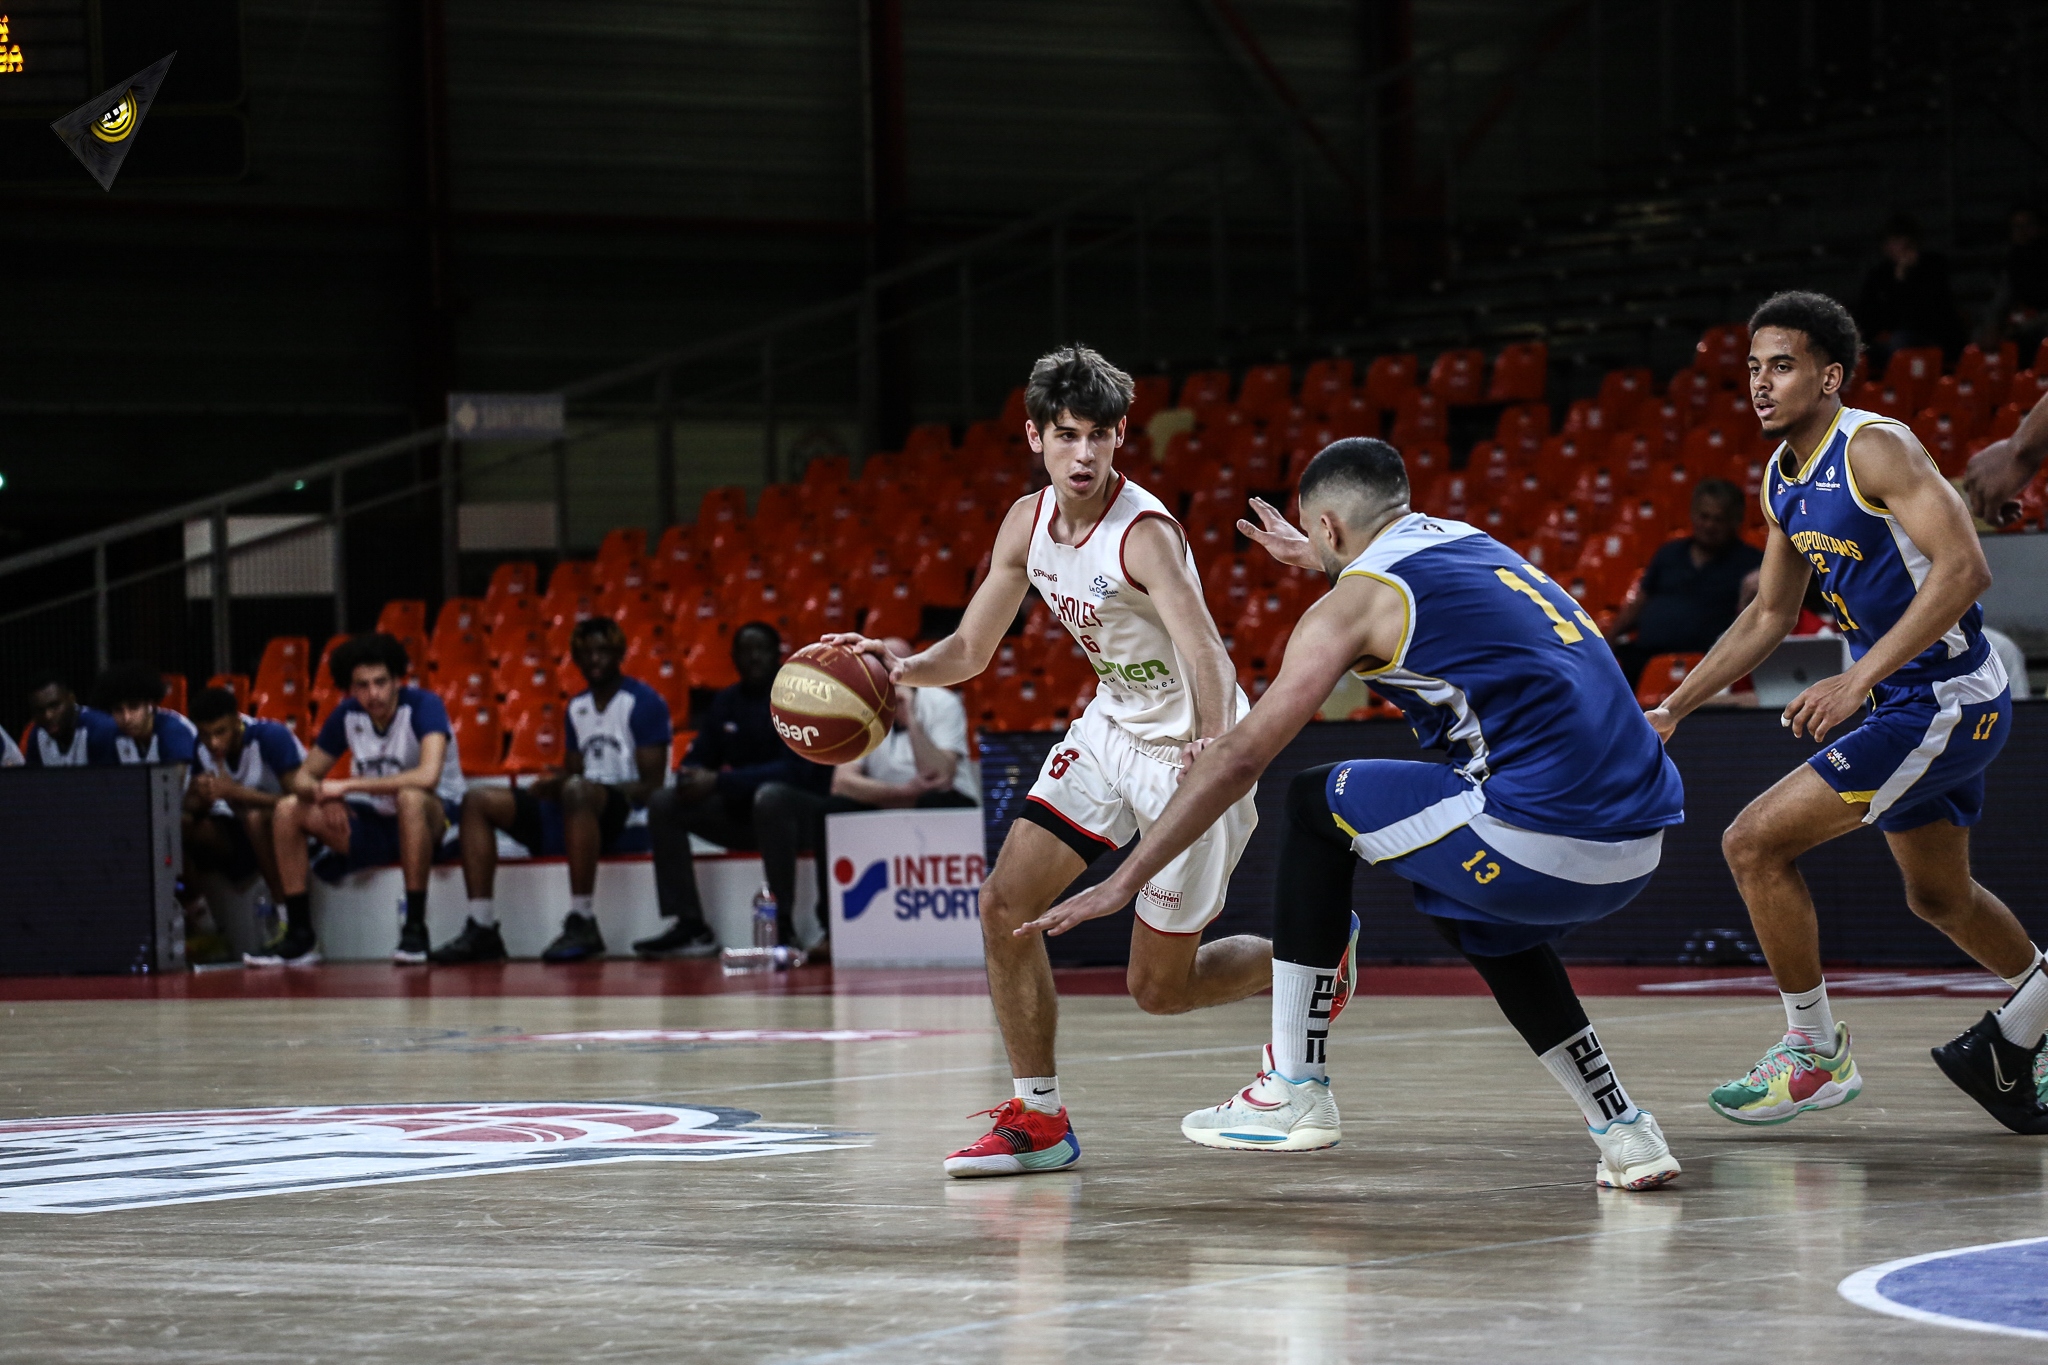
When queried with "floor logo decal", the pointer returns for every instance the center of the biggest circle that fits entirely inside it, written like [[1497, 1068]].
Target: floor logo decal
[[95, 1163], [2001, 1288]]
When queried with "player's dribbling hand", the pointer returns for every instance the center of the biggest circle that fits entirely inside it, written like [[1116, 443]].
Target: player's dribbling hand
[[1993, 482], [1093, 903], [861, 644], [1281, 538], [1823, 706], [1662, 721]]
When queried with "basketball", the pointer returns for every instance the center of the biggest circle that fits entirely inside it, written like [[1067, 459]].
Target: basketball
[[832, 705]]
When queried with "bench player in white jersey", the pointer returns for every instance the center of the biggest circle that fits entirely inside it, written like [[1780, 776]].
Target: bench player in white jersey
[[1115, 569]]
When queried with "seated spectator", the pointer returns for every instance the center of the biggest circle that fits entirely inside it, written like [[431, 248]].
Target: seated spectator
[[1693, 588], [1907, 298], [63, 734], [619, 735], [144, 732], [923, 764], [404, 788], [2019, 307], [244, 769], [734, 754], [10, 752]]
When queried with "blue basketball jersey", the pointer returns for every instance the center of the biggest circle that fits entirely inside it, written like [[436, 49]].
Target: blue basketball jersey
[[1499, 665], [1868, 567]]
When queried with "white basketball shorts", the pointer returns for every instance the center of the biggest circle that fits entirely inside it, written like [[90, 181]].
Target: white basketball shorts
[[1109, 787]]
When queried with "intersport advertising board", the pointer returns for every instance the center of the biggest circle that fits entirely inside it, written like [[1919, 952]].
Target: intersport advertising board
[[906, 887]]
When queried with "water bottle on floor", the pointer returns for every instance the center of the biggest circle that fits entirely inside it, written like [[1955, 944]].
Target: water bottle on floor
[[765, 955]]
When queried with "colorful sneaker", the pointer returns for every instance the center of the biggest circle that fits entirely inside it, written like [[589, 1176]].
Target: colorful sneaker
[[2002, 1076], [1633, 1155], [1272, 1114], [1789, 1080], [1024, 1141], [1347, 972]]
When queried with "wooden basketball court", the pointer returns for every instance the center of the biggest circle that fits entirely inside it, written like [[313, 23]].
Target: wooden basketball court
[[520, 1164]]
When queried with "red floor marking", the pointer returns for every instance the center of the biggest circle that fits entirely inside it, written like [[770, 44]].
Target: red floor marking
[[377, 981]]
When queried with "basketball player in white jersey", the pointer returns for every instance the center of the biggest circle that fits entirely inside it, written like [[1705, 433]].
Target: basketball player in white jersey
[[1114, 567]]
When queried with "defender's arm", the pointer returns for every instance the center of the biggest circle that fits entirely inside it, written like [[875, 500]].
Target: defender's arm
[[1360, 618]]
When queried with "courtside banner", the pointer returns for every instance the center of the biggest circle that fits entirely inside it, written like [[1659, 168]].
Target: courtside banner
[[906, 887]]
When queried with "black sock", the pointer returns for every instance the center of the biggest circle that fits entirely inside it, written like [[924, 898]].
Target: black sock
[[1532, 989], [1312, 901], [298, 911], [416, 907]]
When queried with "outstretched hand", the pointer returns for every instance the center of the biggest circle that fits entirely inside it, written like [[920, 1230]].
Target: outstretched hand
[[1093, 903], [1280, 537]]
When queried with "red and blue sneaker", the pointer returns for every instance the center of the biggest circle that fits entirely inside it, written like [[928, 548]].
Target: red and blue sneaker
[[1024, 1141]]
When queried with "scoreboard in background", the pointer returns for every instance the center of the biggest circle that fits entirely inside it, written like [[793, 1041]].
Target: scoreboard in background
[[56, 54]]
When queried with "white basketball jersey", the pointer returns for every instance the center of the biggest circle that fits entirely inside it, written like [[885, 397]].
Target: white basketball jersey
[[1142, 683]]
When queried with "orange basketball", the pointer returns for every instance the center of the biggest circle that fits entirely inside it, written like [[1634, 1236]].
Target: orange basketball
[[832, 705]]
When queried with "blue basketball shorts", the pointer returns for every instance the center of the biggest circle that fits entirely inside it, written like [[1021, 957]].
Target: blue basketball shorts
[[373, 841], [1920, 754], [1507, 888]]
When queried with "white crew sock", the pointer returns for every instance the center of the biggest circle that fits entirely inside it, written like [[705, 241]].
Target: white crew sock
[[580, 905], [2024, 1017], [1581, 1067], [1039, 1092], [1301, 1020], [484, 912], [1807, 1014]]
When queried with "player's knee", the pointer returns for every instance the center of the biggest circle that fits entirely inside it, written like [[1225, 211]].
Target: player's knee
[[582, 795], [1745, 845], [999, 913], [290, 813], [1308, 804], [412, 801], [1155, 993], [1938, 904]]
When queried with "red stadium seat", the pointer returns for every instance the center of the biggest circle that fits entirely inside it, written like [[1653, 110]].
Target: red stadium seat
[[1151, 393], [1723, 355], [403, 617], [1388, 380], [1327, 385], [286, 655], [1662, 675], [479, 739], [1419, 418], [538, 741], [1458, 377], [237, 683], [514, 578], [1205, 387], [1521, 373], [1267, 389], [1912, 371], [176, 693], [1622, 392], [459, 616]]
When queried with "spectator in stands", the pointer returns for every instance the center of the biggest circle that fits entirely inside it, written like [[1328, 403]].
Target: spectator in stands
[[404, 787], [1907, 299], [244, 767], [64, 734], [734, 754], [923, 763], [10, 752], [619, 733], [2019, 308], [144, 731], [1693, 587]]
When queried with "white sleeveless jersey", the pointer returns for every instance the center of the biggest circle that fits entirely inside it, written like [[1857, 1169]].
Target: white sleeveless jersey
[[1142, 682]]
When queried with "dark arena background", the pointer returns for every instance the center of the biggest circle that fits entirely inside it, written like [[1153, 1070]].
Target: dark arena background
[[545, 343]]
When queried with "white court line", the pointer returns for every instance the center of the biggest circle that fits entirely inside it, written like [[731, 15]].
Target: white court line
[[1268, 1277], [1861, 1290], [1407, 1036]]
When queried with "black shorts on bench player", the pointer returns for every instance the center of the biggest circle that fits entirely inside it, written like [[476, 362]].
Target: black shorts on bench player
[[617, 755], [404, 787]]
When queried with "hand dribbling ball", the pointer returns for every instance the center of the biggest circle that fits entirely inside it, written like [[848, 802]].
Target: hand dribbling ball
[[832, 705]]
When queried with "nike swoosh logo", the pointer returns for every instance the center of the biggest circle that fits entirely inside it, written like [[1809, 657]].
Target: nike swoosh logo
[[1998, 1073], [1046, 1091], [1805, 1007]]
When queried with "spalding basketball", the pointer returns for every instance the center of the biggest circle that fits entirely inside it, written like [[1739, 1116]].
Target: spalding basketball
[[832, 705]]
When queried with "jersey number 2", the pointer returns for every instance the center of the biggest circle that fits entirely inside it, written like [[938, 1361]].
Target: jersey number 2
[[1566, 631]]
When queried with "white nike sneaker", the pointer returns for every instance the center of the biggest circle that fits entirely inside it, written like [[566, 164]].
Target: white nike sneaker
[[1633, 1155], [1272, 1114]]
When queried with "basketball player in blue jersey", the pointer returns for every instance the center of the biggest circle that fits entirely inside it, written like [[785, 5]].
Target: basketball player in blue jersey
[[242, 769], [1549, 815], [404, 786], [144, 730], [617, 756], [1854, 501], [63, 734]]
